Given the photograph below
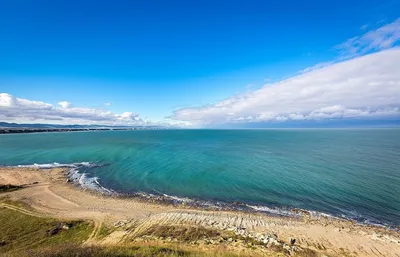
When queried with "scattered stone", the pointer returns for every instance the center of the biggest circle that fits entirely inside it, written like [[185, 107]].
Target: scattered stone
[[2, 243], [121, 223], [265, 241], [286, 247], [292, 241], [66, 226]]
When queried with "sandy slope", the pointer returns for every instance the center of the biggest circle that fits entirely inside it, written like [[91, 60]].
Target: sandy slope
[[48, 192]]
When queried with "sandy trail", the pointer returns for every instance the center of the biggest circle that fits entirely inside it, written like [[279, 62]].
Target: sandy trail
[[48, 193]]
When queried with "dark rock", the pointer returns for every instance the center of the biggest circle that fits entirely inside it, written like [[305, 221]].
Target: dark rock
[[292, 241], [53, 231], [2, 243]]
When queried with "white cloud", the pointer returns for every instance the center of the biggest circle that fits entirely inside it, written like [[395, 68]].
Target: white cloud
[[23, 110], [128, 116], [381, 38], [367, 86], [107, 104], [65, 104]]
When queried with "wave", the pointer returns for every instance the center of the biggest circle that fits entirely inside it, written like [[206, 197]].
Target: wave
[[277, 211], [176, 200], [53, 165], [76, 174]]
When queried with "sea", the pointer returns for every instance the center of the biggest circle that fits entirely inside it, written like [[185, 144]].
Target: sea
[[344, 173]]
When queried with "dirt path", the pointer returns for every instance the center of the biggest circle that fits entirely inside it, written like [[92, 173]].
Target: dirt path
[[22, 210], [92, 237]]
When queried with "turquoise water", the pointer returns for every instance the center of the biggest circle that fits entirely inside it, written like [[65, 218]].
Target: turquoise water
[[347, 173]]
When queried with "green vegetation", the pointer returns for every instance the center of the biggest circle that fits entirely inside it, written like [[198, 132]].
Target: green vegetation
[[20, 231], [9, 188]]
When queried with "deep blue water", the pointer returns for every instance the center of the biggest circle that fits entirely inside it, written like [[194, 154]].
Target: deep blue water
[[353, 173]]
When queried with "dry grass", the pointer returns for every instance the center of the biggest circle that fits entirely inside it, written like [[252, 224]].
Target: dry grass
[[182, 233], [120, 251], [306, 252], [104, 231]]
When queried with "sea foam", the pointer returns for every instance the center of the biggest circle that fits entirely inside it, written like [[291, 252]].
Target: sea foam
[[76, 174]]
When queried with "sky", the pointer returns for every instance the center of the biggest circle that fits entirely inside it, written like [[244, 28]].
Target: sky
[[200, 63]]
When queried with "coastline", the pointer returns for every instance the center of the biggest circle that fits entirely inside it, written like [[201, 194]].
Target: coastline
[[5, 131], [74, 175], [48, 192]]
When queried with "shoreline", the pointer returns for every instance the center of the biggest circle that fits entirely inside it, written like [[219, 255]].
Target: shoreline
[[48, 192], [75, 176]]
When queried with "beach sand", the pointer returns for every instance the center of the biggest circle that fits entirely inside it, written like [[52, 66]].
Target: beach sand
[[48, 193]]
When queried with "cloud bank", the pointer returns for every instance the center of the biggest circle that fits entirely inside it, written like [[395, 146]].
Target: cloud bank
[[22, 110], [366, 87], [362, 82]]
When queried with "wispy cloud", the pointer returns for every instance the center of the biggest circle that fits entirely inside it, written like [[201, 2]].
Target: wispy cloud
[[364, 27], [384, 37], [378, 39]]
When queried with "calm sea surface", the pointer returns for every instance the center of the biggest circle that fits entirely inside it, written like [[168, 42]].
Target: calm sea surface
[[350, 173]]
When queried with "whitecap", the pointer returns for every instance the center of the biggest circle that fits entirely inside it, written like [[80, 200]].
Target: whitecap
[[277, 211], [76, 176]]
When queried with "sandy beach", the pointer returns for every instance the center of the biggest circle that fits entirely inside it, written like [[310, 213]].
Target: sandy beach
[[48, 193]]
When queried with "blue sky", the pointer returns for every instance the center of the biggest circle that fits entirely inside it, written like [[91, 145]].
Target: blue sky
[[178, 61]]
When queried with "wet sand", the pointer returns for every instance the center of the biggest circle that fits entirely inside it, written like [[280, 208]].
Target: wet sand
[[48, 193]]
